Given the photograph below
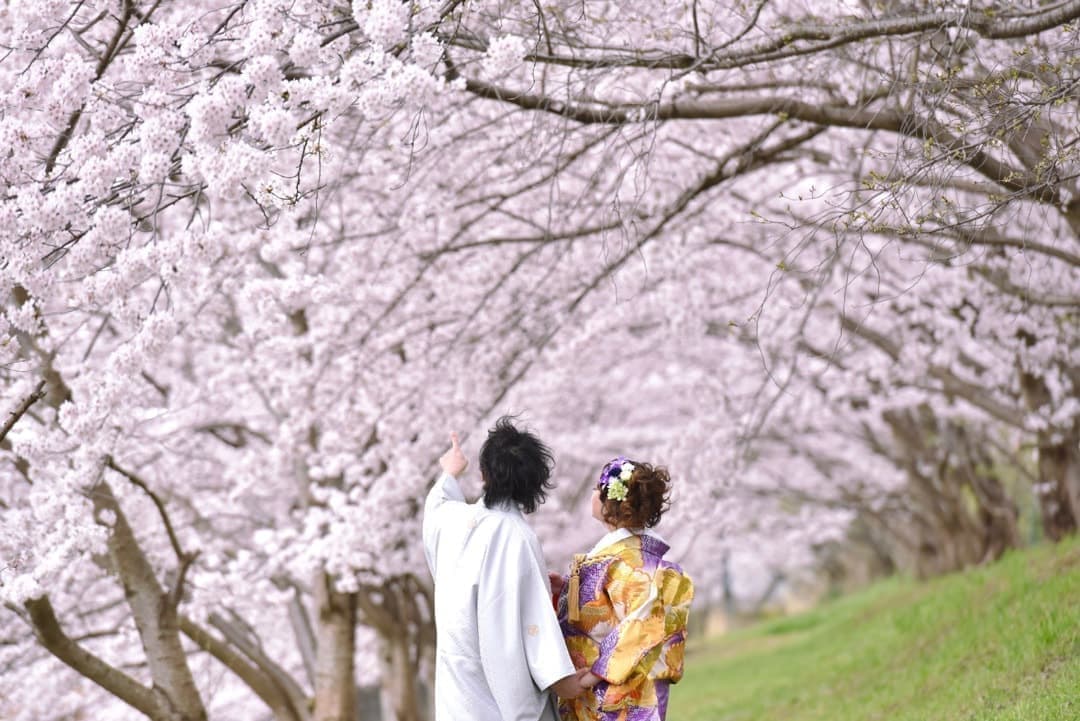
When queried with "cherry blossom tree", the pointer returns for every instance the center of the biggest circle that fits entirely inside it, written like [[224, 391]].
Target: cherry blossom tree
[[259, 256], [937, 150]]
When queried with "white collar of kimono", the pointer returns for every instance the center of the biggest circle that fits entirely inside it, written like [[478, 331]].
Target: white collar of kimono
[[504, 506], [619, 534]]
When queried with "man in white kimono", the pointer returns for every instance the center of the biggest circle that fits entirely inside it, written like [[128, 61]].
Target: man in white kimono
[[499, 650]]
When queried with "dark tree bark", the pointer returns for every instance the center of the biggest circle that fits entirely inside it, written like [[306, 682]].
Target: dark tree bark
[[1058, 489]]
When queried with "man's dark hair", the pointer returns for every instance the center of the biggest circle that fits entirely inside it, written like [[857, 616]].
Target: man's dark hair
[[515, 466]]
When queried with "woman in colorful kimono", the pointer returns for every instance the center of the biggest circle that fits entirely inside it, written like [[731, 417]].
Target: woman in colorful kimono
[[623, 608]]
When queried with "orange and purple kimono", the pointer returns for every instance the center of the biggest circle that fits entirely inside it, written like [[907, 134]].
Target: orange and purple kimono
[[623, 611]]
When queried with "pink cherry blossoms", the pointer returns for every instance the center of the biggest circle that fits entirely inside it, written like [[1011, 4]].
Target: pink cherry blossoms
[[258, 256]]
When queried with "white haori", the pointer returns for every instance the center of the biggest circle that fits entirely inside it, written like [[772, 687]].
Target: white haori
[[498, 644]]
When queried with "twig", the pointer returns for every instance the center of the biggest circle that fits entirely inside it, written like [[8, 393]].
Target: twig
[[20, 411]]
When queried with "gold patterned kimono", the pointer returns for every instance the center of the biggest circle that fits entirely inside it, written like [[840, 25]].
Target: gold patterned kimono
[[623, 611]]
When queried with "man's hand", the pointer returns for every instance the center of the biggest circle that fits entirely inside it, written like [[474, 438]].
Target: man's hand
[[556, 581], [454, 461], [571, 686], [589, 679]]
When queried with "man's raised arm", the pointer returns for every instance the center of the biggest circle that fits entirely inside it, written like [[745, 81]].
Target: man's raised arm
[[446, 488]]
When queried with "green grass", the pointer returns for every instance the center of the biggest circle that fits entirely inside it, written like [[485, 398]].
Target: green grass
[[999, 643]]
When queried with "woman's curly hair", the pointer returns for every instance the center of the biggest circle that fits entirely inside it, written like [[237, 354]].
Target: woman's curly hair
[[648, 496]]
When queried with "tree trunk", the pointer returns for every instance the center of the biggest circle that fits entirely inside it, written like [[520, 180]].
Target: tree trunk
[[996, 515], [1058, 490], [401, 690], [335, 678], [961, 512], [1059, 484], [1072, 216], [401, 611]]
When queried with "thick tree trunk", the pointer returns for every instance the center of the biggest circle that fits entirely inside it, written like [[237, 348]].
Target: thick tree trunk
[[959, 509], [996, 515], [335, 677], [1058, 490], [1059, 485], [864, 555]]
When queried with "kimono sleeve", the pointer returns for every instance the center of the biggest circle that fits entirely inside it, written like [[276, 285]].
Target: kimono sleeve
[[521, 645], [446, 489], [640, 627]]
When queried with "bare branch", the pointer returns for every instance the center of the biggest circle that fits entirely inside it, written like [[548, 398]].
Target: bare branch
[[829, 115]]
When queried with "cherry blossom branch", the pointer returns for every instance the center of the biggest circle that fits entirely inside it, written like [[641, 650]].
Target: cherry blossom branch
[[748, 157], [59, 644], [525, 240], [37, 394], [833, 115], [750, 25], [262, 684], [350, 26], [784, 43], [277, 675], [542, 26], [993, 238], [184, 558], [48, 41], [743, 159], [301, 625], [952, 385], [111, 50], [241, 431], [1027, 294], [153, 610]]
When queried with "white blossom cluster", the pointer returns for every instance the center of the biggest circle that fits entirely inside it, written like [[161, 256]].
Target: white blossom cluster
[[504, 55]]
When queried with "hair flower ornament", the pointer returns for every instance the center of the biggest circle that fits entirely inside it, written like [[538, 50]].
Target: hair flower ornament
[[614, 478]]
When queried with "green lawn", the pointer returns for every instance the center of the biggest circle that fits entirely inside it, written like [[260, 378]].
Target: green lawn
[[1000, 643]]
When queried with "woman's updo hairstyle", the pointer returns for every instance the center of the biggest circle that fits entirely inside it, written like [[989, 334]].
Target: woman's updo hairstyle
[[648, 495]]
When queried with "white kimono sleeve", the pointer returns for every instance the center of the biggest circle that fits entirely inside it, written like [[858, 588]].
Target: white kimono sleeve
[[446, 489], [515, 614]]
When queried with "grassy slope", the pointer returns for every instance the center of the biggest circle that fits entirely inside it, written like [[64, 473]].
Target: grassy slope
[[1000, 643]]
